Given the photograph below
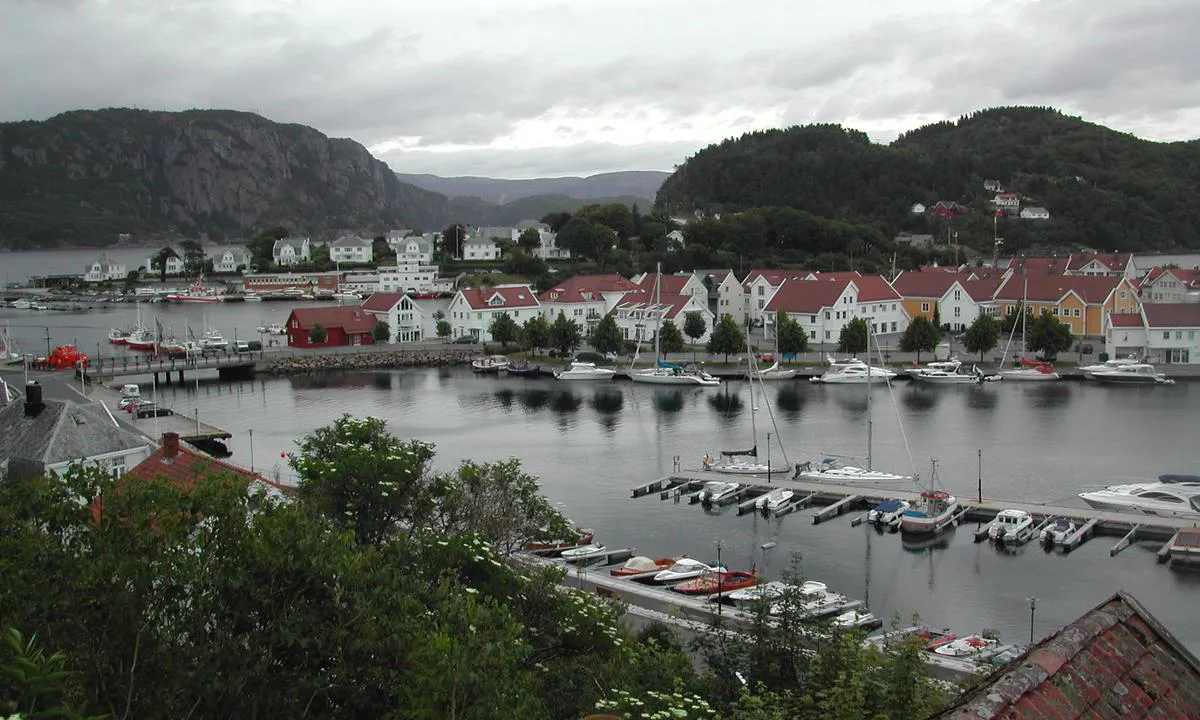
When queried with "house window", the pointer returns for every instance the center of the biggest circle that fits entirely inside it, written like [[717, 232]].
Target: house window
[[924, 307], [958, 294], [1054, 312], [761, 303], [893, 307], [826, 334], [812, 334], [1178, 334], [826, 314], [1077, 313], [812, 319], [957, 311], [893, 326], [1191, 334], [762, 290], [1166, 334]]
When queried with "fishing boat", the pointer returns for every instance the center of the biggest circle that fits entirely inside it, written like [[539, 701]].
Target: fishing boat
[[685, 569], [490, 364], [716, 581], [1057, 532], [640, 564], [196, 293], [663, 372], [714, 492], [888, 512], [140, 339], [585, 371], [935, 511], [1010, 526], [213, 340], [117, 336], [774, 500]]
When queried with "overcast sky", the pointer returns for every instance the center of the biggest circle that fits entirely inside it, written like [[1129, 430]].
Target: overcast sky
[[526, 88]]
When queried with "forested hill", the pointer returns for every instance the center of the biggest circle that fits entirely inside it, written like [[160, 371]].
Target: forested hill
[[1104, 189]]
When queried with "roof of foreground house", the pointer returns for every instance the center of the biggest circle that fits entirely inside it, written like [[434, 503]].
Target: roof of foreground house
[[61, 431], [349, 319], [586, 288]]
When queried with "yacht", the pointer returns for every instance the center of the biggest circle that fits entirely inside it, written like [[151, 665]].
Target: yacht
[[1109, 364], [946, 365], [1013, 526], [1171, 496], [1132, 374], [665, 373], [961, 374], [1031, 371], [854, 373], [831, 470], [717, 491], [585, 371]]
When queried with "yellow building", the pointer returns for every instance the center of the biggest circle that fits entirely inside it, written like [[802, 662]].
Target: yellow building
[[1079, 301]]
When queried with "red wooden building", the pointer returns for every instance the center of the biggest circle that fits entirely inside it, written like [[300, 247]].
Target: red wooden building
[[343, 326]]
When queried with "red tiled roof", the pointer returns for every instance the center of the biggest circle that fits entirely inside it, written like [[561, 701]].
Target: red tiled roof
[[353, 320], [1187, 276], [1112, 261], [806, 296], [188, 465], [1125, 319], [517, 296], [1172, 315], [925, 283], [873, 288], [982, 289], [1116, 661], [775, 278], [644, 300], [381, 301], [574, 290], [1039, 265], [1052, 288], [668, 284]]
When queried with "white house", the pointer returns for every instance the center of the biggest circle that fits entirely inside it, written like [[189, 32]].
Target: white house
[[408, 319], [681, 283], [675, 241], [291, 250], [1006, 200], [359, 282], [478, 247], [760, 285], [1033, 212], [174, 265], [351, 249], [585, 298], [967, 299], [917, 209], [1171, 285], [824, 304], [731, 298], [103, 270], [472, 310], [1163, 333], [413, 271], [229, 259], [39, 435], [638, 315], [547, 248], [993, 186]]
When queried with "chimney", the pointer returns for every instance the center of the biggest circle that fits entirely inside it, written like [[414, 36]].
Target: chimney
[[33, 399], [170, 445]]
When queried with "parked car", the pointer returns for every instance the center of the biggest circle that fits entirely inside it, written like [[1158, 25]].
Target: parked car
[[147, 410], [465, 340]]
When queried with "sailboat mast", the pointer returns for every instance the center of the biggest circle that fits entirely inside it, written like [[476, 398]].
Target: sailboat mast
[[657, 309], [1024, 315], [868, 384]]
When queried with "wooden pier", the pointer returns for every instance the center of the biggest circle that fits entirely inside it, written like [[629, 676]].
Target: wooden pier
[[229, 366], [840, 499]]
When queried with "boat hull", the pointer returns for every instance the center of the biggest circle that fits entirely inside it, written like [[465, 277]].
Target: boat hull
[[916, 523], [1027, 376], [661, 379], [593, 375]]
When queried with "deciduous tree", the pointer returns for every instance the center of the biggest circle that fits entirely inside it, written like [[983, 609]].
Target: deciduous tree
[[529, 239], [982, 335], [606, 336], [382, 332], [504, 330], [694, 327], [1048, 335], [853, 338], [670, 339], [726, 338], [317, 334], [921, 335], [536, 333], [565, 335], [790, 337], [159, 261]]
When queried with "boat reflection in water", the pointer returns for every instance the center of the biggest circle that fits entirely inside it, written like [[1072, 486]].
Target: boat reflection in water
[[1048, 395], [921, 544], [608, 401], [790, 402], [668, 401]]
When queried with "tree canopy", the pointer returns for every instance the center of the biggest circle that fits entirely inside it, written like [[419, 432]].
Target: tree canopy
[[790, 337], [982, 335], [565, 334], [504, 330], [670, 339], [726, 338], [1048, 335], [606, 336], [853, 337], [536, 333], [920, 336]]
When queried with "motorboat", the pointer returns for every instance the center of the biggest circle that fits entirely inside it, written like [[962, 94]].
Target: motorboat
[[1109, 364], [774, 500], [773, 373], [665, 373], [1010, 526], [212, 340], [935, 512], [950, 365], [1171, 496], [1135, 374], [1057, 532], [196, 293], [584, 537], [831, 470], [857, 373], [523, 368], [960, 375], [489, 364], [763, 592], [347, 295], [585, 371], [581, 551], [730, 465], [185, 349], [836, 363], [1031, 371], [815, 601], [117, 336], [140, 339], [685, 569], [888, 512], [130, 394], [251, 296], [1185, 547], [640, 564], [716, 581], [21, 304], [714, 492], [856, 619], [968, 647]]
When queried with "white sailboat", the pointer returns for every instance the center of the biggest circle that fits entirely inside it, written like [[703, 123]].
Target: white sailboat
[[832, 470], [731, 462], [9, 353], [1029, 370], [665, 373]]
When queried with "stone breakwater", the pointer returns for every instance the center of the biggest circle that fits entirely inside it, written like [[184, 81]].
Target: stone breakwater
[[371, 360]]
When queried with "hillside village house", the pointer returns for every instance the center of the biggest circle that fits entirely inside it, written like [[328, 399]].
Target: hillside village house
[[913, 240], [639, 315], [1170, 285], [821, 306], [291, 250], [731, 298], [230, 259], [993, 186], [408, 319], [1087, 264], [343, 326], [174, 265], [948, 209], [921, 290], [413, 271], [1166, 333], [351, 249], [547, 248], [917, 209], [1033, 212], [1079, 301], [39, 435], [1006, 201], [104, 270], [586, 299], [675, 241], [472, 310], [480, 248], [681, 283], [760, 285]]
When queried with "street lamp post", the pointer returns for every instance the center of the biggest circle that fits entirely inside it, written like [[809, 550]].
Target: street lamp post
[[768, 457], [1032, 610]]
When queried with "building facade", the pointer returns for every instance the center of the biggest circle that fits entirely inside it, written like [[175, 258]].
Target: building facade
[[291, 250], [352, 249], [342, 325], [473, 310], [104, 270]]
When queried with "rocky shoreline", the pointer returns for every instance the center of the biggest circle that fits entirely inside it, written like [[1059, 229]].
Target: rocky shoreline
[[385, 360]]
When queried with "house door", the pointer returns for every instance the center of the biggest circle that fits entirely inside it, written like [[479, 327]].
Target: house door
[[1177, 355], [356, 339]]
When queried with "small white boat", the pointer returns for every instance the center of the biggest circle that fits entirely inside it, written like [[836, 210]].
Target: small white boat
[[1011, 526], [715, 492], [770, 591], [582, 550], [489, 364], [1185, 547], [773, 373], [1171, 496], [950, 365], [1057, 532], [685, 569], [212, 340], [967, 647], [585, 371], [21, 304], [774, 500], [1135, 374], [888, 512], [831, 470], [252, 296], [858, 620], [960, 375], [349, 295], [1030, 371], [857, 373], [1109, 364], [730, 465]]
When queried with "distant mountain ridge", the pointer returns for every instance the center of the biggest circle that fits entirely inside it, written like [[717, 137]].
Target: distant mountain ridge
[[642, 184], [1104, 189]]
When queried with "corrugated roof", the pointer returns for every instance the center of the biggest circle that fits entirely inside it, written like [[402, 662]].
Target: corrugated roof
[[513, 296], [63, 431], [1116, 661], [350, 319], [1172, 315]]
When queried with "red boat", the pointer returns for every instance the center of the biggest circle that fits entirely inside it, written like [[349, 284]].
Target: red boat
[[584, 538], [715, 582], [641, 564], [934, 639], [64, 357]]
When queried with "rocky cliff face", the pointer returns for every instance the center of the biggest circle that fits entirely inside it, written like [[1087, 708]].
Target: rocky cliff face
[[83, 177]]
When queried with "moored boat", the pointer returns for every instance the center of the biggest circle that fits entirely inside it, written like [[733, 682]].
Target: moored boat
[[489, 364], [774, 500], [888, 512], [585, 371], [1010, 526], [773, 373], [968, 647], [1185, 547], [856, 373], [714, 492], [859, 620], [140, 339], [716, 581], [1057, 532], [1135, 374], [1031, 371], [935, 512], [194, 294], [581, 551], [685, 569], [960, 375], [640, 564], [117, 336], [831, 470], [523, 368], [1171, 496], [584, 537]]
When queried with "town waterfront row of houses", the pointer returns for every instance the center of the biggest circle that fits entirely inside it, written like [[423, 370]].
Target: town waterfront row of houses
[[1093, 294]]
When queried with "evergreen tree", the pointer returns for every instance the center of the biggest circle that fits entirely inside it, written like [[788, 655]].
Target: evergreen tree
[[853, 338], [790, 337], [726, 338], [982, 335], [606, 336], [921, 335]]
